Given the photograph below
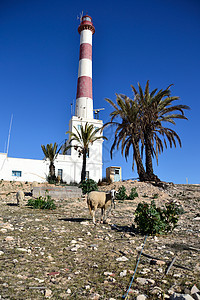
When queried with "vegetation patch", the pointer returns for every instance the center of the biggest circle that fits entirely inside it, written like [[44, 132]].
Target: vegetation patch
[[42, 203], [88, 186], [155, 220]]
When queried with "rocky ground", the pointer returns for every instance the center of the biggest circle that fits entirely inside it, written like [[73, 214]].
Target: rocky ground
[[60, 254]]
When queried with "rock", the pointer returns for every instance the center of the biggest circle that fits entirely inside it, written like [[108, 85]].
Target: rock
[[50, 258], [74, 249], [132, 241], [9, 238], [48, 293], [194, 290], [145, 271], [108, 273], [177, 275], [1, 252], [95, 296], [73, 242], [156, 291], [176, 296], [151, 281], [123, 273], [196, 296], [84, 223], [141, 297], [69, 291], [22, 249], [141, 280], [87, 287], [122, 258]]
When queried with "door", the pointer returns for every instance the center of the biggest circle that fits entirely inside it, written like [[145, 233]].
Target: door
[[117, 174]]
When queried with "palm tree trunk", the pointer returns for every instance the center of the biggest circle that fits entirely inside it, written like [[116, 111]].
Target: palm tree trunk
[[83, 172], [52, 170], [148, 158], [140, 168]]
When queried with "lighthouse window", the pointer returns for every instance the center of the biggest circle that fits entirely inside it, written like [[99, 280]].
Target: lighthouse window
[[79, 127], [86, 19]]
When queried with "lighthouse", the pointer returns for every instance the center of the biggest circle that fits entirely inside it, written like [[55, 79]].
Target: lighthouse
[[84, 98], [84, 106]]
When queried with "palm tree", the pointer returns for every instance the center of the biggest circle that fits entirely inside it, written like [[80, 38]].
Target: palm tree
[[83, 139], [156, 108], [51, 152], [127, 133]]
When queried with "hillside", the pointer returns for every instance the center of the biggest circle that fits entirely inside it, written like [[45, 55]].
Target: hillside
[[60, 254]]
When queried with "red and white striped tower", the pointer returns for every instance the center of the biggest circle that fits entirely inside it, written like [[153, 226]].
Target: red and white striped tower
[[84, 99]]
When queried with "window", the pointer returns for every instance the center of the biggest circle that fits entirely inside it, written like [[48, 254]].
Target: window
[[60, 173], [17, 173], [79, 127], [116, 171], [87, 175], [86, 19]]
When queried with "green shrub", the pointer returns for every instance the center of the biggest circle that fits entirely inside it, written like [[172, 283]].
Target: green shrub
[[42, 202], [121, 195], [133, 194], [88, 185], [155, 196], [154, 220]]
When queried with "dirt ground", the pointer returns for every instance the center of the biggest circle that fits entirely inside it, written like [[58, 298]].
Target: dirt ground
[[60, 254]]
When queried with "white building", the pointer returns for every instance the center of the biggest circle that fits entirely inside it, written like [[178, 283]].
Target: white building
[[68, 166]]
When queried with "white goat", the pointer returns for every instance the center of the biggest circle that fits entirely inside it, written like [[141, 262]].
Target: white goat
[[98, 200], [20, 197]]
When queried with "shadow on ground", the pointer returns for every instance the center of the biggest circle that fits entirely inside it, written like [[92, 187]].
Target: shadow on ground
[[78, 220]]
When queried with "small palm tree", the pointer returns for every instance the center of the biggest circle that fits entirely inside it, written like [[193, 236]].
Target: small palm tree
[[83, 139], [156, 108], [51, 152]]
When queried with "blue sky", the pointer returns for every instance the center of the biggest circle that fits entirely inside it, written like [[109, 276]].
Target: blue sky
[[134, 41]]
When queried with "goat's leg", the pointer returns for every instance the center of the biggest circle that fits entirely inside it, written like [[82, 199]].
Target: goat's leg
[[102, 214], [93, 216]]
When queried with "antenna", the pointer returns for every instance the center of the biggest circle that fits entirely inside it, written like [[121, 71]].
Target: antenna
[[9, 134], [79, 17], [71, 109]]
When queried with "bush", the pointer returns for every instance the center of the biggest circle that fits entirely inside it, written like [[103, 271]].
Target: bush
[[133, 194], [42, 203], [88, 186], [154, 220], [121, 195]]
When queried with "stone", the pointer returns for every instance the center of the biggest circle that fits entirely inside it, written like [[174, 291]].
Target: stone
[[69, 291], [123, 273], [95, 296], [9, 238], [141, 297], [151, 281], [48, 293], [108, 273], [1, 252], [122, 258], [194, 290], [50, 258], [156, 290], [87, 287], [22, 249], [141, 280]]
